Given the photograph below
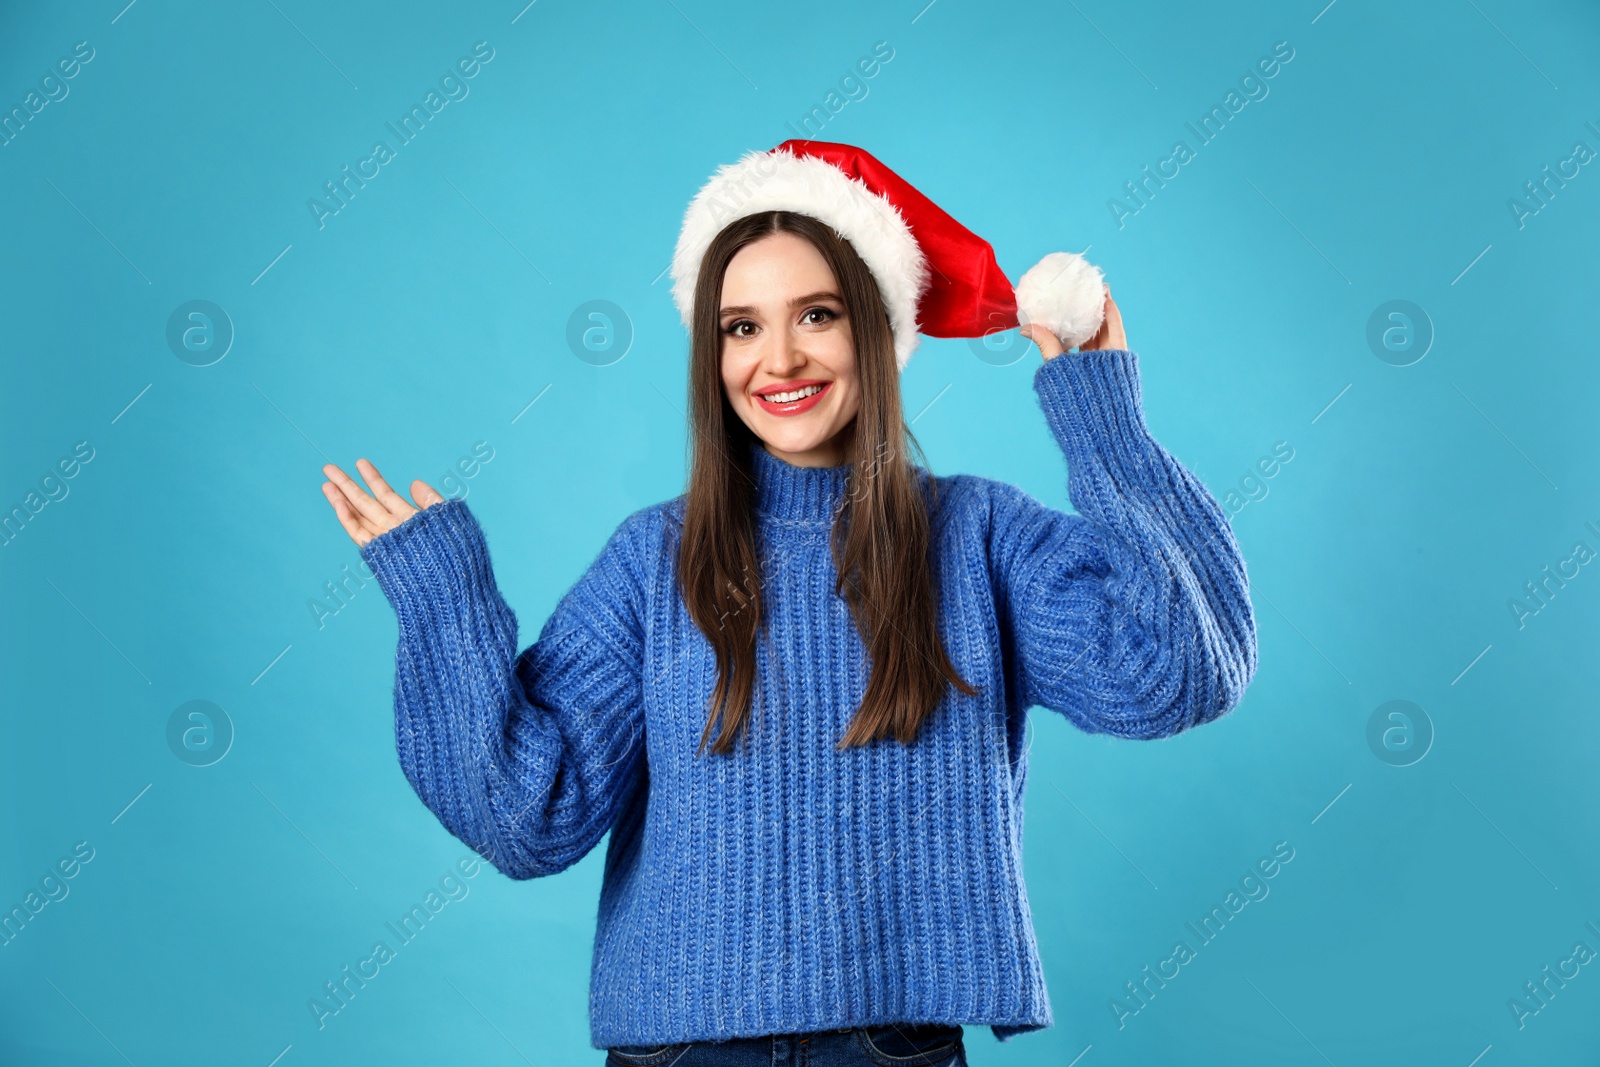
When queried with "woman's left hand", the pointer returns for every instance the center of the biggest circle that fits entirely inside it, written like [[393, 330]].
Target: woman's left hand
[[1111, 334]]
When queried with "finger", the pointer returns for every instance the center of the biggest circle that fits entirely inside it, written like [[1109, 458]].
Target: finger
[[1113, 313], [397, 505], [376, 514], [1104, 332], [1116, 336], [353, 524], [1110, 335], [424, 494], [358, 531], [1049, 344]]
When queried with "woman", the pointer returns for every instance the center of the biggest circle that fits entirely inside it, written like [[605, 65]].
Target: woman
[[795, 695]]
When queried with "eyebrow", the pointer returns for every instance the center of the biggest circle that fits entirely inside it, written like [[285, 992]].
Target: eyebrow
[[809, 298]]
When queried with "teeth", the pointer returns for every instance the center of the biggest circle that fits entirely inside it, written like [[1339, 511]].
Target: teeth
[[788, 398]]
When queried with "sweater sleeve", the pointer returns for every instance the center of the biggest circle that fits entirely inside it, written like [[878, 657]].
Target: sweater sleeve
[[524, 757], [1132, 617]]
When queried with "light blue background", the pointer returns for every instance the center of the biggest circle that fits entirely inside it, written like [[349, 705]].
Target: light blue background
[[428, 313]]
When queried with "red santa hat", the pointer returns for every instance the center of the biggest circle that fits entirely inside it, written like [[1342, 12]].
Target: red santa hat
[[936, 276]]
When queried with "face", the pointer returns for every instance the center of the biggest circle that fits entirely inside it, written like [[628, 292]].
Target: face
[[788, 354]]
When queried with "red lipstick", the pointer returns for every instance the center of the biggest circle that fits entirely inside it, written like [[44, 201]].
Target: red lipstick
[[792, 407]]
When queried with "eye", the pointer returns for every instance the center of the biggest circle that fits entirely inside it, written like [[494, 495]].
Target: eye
[[732, 329], [828, 315]]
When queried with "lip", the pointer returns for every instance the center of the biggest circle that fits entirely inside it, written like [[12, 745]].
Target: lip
[[794, 407]]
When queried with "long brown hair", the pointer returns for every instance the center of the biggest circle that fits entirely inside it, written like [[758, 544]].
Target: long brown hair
[[880, 537]]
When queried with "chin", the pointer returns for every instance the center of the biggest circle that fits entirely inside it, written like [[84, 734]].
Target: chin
[[794, 443]]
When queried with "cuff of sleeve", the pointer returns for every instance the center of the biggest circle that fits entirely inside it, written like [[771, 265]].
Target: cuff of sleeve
[[428, 555], [1094, 405]]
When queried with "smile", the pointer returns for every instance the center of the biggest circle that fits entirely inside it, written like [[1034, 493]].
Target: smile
[[794, 401]]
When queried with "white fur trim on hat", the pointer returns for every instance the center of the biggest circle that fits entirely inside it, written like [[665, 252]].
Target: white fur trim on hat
[[1065, 294], [780, 180]]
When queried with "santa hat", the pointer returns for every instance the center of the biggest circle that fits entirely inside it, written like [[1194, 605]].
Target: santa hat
[[936, 276]]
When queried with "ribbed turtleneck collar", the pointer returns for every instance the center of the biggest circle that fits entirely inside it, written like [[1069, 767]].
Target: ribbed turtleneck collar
[[808, 495]]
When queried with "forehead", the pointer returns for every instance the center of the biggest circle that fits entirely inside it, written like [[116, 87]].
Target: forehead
[[773, 268]]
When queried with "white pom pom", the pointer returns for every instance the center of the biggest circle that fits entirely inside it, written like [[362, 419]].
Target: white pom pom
[[1065, 294]]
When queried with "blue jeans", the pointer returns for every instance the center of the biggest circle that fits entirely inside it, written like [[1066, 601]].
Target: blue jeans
[[905, 1045]]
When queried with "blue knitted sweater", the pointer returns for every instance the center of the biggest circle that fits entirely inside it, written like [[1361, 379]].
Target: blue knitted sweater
[[789, 887]]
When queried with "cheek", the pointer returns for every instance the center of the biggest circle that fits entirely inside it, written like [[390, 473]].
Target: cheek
[[852, 402], [731, 376], [844, 365]]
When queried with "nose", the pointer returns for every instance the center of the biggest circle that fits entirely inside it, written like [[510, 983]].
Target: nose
[[784, 353]]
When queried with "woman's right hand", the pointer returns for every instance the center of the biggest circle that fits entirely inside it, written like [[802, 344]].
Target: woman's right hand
[[1111, 335], [365, 517]]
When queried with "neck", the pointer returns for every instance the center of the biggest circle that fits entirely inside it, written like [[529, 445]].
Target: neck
[[831, 453]]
